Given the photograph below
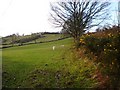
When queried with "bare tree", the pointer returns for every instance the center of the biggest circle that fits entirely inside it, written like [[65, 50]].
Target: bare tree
[[76, 16]]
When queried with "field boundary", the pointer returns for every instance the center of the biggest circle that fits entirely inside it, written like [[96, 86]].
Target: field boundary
[[31, 43]]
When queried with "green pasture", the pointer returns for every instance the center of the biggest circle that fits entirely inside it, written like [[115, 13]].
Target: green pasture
[[19, 61], [38, 66], [49, 37]]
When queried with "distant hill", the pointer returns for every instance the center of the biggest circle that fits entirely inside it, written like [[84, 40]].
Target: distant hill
[[15, 40]]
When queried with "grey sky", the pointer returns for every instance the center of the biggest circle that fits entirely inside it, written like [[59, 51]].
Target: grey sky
[[29, 16]]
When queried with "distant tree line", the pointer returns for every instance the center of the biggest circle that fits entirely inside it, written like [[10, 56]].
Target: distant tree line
[[16, 38], [33, 36], [20, 39], [51, 32]]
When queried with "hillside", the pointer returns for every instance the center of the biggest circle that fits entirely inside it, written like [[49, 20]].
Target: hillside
[[15, 40]]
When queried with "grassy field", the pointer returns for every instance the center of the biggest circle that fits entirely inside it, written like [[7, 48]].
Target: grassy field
[[49, 37], [19, 61], [38, 66]]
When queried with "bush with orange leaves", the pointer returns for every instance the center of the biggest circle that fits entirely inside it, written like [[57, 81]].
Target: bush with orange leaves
[[107, 51]]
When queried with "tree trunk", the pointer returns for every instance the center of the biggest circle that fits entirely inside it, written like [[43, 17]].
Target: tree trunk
[[77, 42]]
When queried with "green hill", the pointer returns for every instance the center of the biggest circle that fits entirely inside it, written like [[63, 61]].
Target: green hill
[[15, 40]]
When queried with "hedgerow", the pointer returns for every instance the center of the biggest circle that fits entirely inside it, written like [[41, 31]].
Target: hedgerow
[[107, 51]]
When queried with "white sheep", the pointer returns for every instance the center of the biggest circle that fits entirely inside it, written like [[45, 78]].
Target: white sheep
[[62, 45], [53, 47]]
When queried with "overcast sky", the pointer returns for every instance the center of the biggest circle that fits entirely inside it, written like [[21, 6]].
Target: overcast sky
[[27, 16]]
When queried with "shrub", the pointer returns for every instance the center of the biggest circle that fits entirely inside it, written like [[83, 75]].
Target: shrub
[[107, 50], [93, 44]]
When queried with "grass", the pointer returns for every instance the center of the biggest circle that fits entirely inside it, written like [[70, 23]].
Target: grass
[[19, 61], [38, 66], [49, 37]]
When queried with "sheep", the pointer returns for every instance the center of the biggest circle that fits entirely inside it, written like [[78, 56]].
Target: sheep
[[53, 47], [62, 45]]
